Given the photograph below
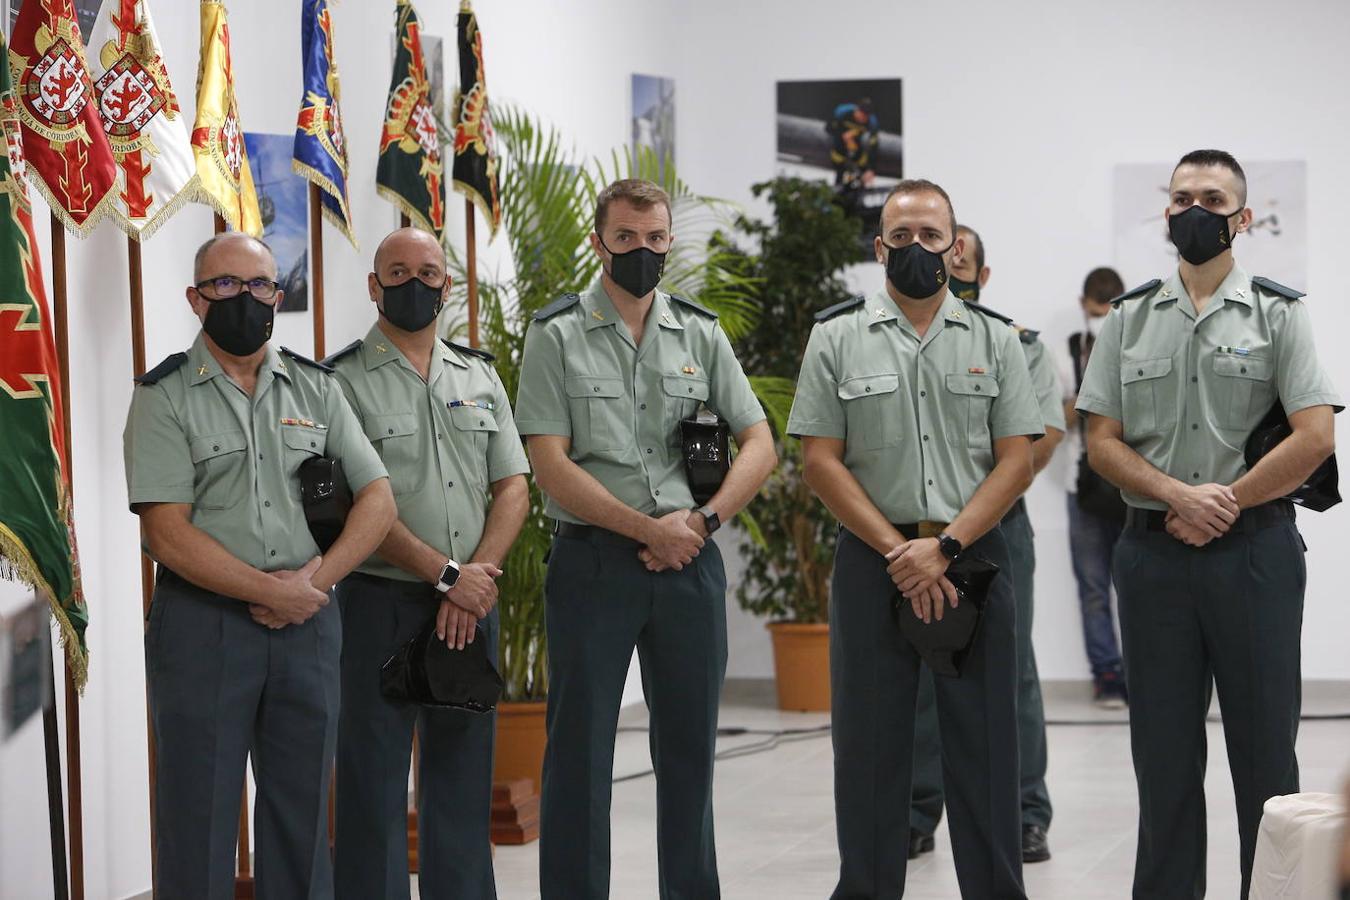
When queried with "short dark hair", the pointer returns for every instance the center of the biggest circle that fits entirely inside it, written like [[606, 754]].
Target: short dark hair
[[1103, 284], [979, 246], [200, 259], [636, 192], [921, 186], [1221, 158]]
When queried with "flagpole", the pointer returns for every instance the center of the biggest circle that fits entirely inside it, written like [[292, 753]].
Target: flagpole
[[471, 256], [55, 816], [316, 266], [73, 761]]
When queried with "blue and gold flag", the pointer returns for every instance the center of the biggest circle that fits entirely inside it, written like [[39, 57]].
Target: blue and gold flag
[[320, 141]]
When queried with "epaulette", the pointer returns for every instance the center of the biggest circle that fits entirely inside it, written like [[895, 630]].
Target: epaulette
[[472, 351], [696, 307], [988, 312], [1026, 335], [566, 301], [1275, 287], [305, 360], [345, 351], [1144, 289], [170, 363], [830, 312]]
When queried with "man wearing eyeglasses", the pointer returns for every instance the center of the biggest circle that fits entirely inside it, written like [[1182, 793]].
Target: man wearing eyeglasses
[[242, 646], [441, 420]]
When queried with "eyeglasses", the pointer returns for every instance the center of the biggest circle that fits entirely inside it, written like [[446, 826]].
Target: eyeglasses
[[227, 287]]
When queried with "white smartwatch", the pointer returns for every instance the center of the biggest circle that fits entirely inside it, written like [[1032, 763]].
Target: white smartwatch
[[449, 575]]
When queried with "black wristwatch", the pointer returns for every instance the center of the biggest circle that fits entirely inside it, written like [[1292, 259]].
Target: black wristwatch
[[449, 575], [710, 519], [950, 546]]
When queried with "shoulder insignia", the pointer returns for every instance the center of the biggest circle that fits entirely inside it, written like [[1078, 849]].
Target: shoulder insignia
[[988, 312], [830, 312], [1143, 290], [472, 351], [170, 363], [345, 351], [566, 301], [1026, 335], [305, 360], [1275, 287], [696, 307]]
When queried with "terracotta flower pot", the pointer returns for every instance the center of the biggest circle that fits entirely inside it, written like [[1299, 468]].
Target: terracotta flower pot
[[520, 742], [801, 662]]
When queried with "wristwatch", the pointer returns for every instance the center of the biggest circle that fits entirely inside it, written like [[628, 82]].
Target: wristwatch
[[710, 518], [950, 546], [449, 575]]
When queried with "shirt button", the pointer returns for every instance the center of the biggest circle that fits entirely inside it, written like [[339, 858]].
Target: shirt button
[[391, 431], [923, 393], [643, 406], [1243, 370], [925, 437], [867, 390], [691, 390], [978, 388], [649, 450], [215, 447], [456, 534], [1141, 371], [480, 423], [274, 553], [657, 493], [450, 484], [930, 482], [1195, 475], [312, 444], [267, 503], [596, 389], [1194, 379]]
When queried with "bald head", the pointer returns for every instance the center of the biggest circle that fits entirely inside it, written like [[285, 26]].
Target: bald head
[[411, 247], [230, 250]]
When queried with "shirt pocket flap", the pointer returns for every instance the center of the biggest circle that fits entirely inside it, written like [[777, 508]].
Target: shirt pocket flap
[[390, 425], [579, 386], [1143, 370], [213, 445], [973, 385], [1250, 367], [299, 437], [868, 386], [686, 387], [473, 418]]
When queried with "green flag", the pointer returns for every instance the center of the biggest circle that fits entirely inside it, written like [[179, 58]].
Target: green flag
[[37, 540]]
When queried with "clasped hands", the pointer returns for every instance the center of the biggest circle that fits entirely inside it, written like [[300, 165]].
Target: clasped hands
[[919, 571], [673, 540], [1197, 515]]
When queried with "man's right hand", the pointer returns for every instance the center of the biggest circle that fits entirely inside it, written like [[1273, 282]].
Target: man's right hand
[[671, 542], [475, 590], [1212, 508], [296, 598]]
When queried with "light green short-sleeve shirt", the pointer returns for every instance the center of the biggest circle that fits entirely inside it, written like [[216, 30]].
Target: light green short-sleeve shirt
[[1044, 381], [621, 403], [918, 416], [193, 436], [444, 440], [1189, 390]]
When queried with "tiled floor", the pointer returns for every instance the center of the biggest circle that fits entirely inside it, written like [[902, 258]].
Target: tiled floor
[[775, 822]]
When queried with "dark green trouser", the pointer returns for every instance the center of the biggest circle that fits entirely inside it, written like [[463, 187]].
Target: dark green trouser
[[223, 688], [1228, 613], [874, 677], [601, 602], [926, 811], [374, 750]]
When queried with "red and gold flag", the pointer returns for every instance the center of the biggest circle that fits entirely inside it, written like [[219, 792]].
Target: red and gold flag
[[217, 137]]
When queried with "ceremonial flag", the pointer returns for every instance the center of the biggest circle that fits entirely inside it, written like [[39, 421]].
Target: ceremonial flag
[[142, 118], [67, 152], [411, 173], [37, 537], [320, 140], [475, 169], [226, 182]]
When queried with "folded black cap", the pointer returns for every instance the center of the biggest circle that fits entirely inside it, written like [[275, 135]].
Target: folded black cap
[[944, 644], [1320, 491], [426, 671]]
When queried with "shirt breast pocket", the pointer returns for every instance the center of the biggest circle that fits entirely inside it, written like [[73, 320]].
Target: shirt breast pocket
[[395, 437], [475, 426], [596, 404], [970, 400], [683, 394], [870, 411], [1148, 398], [221, 463], [1243, 391]]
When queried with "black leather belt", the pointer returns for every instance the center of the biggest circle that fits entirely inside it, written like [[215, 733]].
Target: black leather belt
[[595, 534], [913, 531], [1250, 520]]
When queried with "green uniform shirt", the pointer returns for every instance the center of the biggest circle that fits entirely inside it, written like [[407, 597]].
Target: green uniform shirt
[[195, 437], [1045, 383], [1189, 390], [621, 403], [444, 440], [918, 416]]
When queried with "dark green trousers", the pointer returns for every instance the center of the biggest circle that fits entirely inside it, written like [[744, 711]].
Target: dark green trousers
[[222, 689], [601, 602], [374, 751], [874, 683], [926, 809], [1227, 614]]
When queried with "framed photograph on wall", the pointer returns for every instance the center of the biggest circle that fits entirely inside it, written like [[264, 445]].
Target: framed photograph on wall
[[653, 116], [283, 200]]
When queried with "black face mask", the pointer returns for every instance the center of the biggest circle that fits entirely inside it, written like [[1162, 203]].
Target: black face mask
[[240, 324], [638, 271], [1200, 235], [916, 271], [964, 290], [411, 305]]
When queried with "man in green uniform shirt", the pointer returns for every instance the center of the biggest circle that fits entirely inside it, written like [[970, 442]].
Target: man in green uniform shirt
[[242, 646], [441, 421], [917, 417], [1210, 568], [968, 276], [608, 376]]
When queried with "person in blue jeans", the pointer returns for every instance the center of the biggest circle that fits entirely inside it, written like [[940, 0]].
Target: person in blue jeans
[[1096, 512]]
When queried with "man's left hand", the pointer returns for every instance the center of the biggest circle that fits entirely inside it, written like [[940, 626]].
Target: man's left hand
[[1185, 532], [916, 566], [697, 524]]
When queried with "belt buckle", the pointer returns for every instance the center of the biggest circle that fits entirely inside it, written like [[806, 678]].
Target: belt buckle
[[929, 529]]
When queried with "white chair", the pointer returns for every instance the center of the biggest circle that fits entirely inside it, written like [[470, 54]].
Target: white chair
[[1298, 848]]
